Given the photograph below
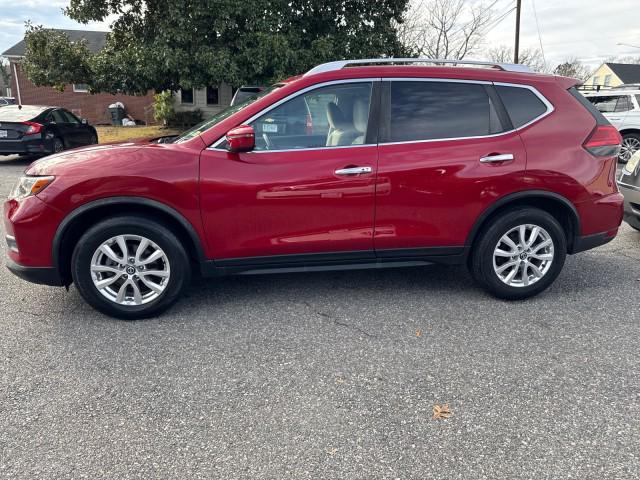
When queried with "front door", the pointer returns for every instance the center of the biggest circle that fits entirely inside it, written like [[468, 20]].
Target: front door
[[442, 160], [306, 189]]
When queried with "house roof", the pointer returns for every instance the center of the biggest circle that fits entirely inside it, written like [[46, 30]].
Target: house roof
[[626, 72], [95, 41]]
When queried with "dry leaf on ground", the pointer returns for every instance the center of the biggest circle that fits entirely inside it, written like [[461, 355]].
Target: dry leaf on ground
[[441, 411]]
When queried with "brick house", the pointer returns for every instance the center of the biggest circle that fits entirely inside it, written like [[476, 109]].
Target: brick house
[[76, 98]]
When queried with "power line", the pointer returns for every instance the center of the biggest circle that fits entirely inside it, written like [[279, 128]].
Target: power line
[[535, 15]]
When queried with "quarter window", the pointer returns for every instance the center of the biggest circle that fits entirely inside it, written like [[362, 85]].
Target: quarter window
[[331, 116], [522, 104], [611, 103], [440, 110]]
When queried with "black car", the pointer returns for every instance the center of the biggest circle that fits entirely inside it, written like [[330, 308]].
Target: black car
[[32, 130]]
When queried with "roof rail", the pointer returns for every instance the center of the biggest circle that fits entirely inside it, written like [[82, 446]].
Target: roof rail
[[340, 64]]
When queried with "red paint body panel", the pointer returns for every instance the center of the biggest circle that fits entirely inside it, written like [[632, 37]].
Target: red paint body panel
[[439, 189], [264, 203]]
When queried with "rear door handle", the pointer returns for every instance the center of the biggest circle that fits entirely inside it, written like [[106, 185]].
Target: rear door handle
[[503, 157], [353, 170]]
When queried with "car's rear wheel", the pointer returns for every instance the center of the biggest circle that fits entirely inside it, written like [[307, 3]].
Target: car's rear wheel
[[130, 267], [519, 254], [58, 145], [630, 145]]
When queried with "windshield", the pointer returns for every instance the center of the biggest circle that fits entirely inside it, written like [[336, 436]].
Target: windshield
[[226, 113]]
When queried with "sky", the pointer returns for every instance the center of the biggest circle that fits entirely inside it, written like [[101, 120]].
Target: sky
[[587, 29]]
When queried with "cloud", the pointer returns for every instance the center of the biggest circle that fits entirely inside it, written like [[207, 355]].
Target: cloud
[[586, 29]]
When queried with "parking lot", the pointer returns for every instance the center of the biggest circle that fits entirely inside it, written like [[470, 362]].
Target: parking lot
[[329, 375]]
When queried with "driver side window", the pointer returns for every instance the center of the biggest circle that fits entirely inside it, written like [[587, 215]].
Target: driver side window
[[331, 116]]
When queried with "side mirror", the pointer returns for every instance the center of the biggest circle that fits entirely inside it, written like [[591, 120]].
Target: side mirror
[[83, 121], [241, 139]]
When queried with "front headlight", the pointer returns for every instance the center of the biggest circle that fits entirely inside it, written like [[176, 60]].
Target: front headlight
[[28, 186]]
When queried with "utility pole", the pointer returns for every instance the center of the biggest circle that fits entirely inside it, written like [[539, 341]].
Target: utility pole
[[517, 46]]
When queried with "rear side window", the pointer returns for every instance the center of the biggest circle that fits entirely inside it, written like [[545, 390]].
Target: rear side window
[[611, 103], [522, 104], [440, 110]]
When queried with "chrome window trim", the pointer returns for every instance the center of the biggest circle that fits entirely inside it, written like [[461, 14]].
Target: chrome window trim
[[542, 98], [215, 145]]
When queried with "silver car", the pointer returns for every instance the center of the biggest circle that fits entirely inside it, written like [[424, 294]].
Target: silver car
[[621, 106], [629, 183]]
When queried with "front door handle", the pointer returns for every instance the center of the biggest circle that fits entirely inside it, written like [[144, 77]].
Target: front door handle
[[503, 157], [353, 170]]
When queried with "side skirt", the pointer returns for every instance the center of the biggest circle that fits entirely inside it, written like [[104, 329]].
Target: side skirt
[[322, 262]]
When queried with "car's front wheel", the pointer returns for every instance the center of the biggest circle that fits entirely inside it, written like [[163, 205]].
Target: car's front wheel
[[130, 267], [519, 254]]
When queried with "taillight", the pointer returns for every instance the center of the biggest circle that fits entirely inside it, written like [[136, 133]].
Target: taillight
[[604, 141], [33, 128]]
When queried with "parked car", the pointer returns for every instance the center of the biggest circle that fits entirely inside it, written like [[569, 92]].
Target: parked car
[[4, 101], [245, 92], [494, 167], [31, 129], [622, 108], [629, 183]]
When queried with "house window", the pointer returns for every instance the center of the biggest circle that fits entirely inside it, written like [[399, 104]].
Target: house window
[[186, 95], [80, 87], [596, 80], [607, 80], [212, 96]]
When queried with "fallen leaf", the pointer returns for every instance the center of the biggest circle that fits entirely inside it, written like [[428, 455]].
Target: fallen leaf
[[441, 411], [418, 333], [331, 451], [340, 380]]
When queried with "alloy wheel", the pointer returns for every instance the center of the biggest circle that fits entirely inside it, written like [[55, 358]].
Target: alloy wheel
[[523, 255], [130, 270], [630, 145]]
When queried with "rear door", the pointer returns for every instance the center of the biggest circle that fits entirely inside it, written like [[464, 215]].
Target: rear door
[[614, 107], [447, 151], [63, 128]]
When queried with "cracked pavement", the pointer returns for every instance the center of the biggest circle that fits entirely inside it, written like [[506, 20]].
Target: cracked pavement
[[322, 375]]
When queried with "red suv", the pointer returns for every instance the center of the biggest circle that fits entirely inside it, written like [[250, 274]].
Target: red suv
[[355, 164]]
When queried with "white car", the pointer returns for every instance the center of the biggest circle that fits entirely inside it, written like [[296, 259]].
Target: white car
[[621, 106]]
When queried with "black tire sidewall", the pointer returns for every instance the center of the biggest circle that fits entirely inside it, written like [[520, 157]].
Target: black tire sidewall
[[130, 225], [482, 263], [58, 139]]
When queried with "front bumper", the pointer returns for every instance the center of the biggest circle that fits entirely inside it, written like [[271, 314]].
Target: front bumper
[[631, 203], [41, 275]]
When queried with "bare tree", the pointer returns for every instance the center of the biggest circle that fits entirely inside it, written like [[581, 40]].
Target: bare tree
[[445, 28], [572, 67], [532, 57]]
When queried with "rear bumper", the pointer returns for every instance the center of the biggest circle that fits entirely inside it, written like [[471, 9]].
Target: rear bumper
[[40, 275], [587, 242], [30, 146]]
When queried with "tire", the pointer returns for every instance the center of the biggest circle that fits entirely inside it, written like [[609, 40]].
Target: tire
[[58, 145], [488, 256], [94, 139], [145, 294], [630, 144]]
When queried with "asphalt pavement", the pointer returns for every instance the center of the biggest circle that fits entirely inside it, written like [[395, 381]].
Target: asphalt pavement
[[328, 376]]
